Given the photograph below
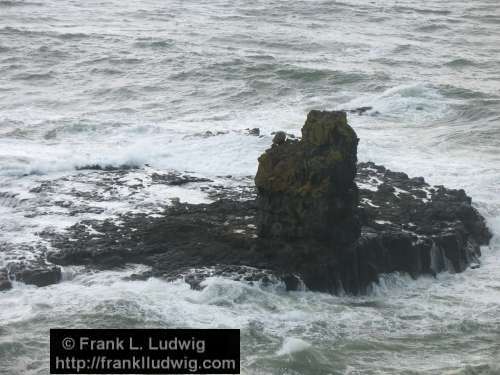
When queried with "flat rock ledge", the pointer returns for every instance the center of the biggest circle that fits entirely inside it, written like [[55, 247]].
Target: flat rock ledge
[[407, 226], [316, 219]]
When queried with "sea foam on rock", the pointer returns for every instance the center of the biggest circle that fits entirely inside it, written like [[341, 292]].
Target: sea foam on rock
[[316, 218], [32, 272]]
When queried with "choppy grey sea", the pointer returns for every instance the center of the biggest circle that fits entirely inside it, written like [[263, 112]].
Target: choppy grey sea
[[121, 82]]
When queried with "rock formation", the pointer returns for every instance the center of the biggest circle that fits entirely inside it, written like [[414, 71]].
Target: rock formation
[[410, 226], [306, 187], [307, 192], [4, 280], [312, 221], [37, 272]]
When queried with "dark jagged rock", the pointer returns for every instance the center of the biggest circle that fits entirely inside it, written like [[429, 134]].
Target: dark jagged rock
[[279, 138], [223, 234], [401, 232], [176, 179], [306, 187], [331, 236], [413, 227], [360, 110], [5, 283], [39, 276], [98, 167], [254, 131], [207, 134], [289, 135], [33, 273]]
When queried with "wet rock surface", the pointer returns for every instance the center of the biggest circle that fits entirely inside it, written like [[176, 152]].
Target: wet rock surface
[[5, 283], [409, 232], [306, 187], [315, 219], [42, 275], [33, 272], [176, 179], [410, 226]]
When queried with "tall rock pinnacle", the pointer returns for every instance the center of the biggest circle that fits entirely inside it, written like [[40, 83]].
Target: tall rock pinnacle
[[306, 187]]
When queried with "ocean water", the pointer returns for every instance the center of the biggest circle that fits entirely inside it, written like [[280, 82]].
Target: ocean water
[[125, 82]]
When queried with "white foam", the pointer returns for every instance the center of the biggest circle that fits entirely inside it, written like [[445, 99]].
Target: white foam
[[293, 345], [415, 102], [382, 222], [367, 186]]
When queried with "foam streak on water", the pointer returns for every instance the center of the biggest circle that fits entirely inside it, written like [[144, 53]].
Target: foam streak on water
[[114, 82]]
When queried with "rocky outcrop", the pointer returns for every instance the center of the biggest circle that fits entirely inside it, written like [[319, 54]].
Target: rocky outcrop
[[313, 221], [404, 228], [32, 273], [5, 283], [40, 276], [412, 227], [306, 187]]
